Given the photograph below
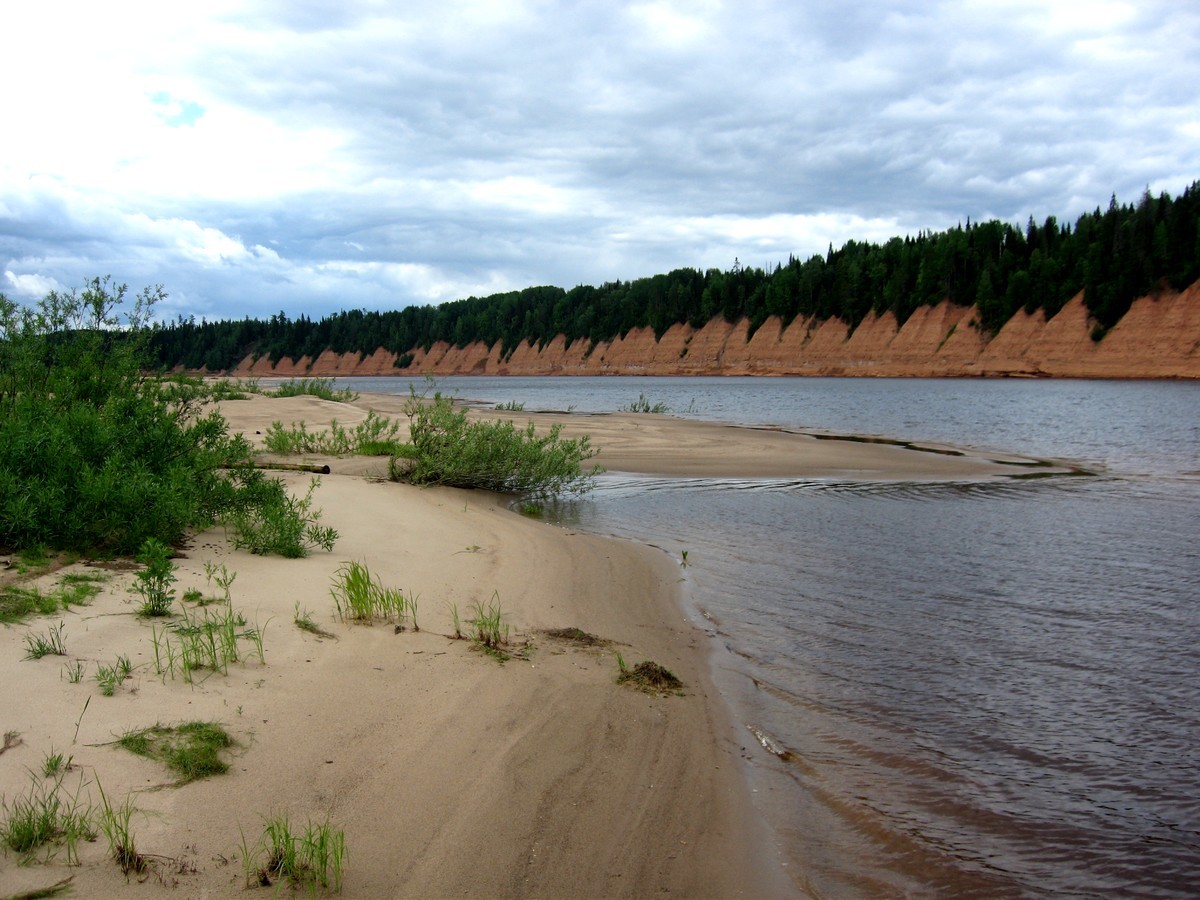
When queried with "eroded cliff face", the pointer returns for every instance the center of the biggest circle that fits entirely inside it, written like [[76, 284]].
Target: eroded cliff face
[[1158, 338]]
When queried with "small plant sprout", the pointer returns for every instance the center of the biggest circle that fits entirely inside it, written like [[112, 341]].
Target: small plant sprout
[[684, 559], [488, 632], [51, 643], [74, 671], [455, 621], [153, 582], [304, 621], [221, 576], [116, 825], [55, 765]]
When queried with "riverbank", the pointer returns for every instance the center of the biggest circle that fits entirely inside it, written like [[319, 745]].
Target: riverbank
[[449, 772]]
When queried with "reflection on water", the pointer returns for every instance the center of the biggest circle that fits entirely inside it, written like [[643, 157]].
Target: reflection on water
[[966, 689]]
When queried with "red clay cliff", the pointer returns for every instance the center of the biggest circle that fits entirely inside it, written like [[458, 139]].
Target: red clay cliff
[[1158, 338]]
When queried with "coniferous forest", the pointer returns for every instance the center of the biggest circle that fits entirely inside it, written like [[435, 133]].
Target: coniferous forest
[[1113, 255]]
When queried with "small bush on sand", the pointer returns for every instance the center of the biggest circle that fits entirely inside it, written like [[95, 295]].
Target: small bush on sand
[[448, 449], [280, 523], [153, 582], [374, 436], [313, 387]]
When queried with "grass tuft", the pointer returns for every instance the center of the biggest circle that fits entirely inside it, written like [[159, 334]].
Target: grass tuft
[[53, 643], [312, 859], [361, 597], [191, 750], [47, 816]]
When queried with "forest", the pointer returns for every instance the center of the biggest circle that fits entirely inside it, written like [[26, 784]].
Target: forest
[[1114, 256]]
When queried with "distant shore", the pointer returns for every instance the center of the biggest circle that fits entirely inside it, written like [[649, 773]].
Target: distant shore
[[1159, 337]]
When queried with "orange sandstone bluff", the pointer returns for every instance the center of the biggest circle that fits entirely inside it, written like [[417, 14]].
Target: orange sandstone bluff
[[1158, 338]]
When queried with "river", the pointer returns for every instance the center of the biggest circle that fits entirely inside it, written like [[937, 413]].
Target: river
[[963, 689]]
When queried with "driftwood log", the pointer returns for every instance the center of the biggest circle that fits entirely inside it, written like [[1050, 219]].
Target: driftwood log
[[289, 467]]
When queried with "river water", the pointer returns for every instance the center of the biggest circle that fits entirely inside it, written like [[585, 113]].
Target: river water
[[949, 689]]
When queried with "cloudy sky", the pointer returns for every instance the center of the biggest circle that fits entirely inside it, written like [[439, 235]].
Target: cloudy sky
[[313, 156]]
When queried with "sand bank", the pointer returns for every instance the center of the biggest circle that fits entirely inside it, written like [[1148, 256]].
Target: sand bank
[[450, 773]]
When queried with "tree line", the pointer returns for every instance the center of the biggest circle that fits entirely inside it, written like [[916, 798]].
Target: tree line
[[1113, 255]]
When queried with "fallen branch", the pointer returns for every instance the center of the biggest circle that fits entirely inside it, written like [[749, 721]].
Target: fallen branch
[[288, 467]]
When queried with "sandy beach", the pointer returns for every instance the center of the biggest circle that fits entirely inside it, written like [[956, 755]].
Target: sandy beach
[[450, 773]]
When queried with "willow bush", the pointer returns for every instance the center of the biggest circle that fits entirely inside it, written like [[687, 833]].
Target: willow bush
[[96, 455], [445, 448]]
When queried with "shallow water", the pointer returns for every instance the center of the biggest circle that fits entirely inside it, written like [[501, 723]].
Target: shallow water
[[978, 688]]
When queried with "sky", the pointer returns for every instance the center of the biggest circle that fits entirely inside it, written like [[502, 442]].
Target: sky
[[307, 157]]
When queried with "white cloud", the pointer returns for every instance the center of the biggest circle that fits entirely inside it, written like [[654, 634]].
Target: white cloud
[[260, 154], [30, 287]]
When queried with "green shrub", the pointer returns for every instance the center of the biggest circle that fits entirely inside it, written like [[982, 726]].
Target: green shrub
[[94, 454], [280, 523], [493, 455], [154, 580], [374, 436], [313, 387]]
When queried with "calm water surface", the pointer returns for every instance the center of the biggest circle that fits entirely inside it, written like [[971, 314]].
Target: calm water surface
[[974, 689]]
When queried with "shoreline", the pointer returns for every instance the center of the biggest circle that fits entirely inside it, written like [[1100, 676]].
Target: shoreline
[[449, 772]]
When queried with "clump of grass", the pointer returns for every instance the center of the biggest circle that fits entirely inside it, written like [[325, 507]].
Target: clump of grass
[[511, 406], [575, 636], [191, 750], [204, 639], [488, 630], [313, 387], [312, 859], [363, 598], [153, 582], [74, 671], [117, 827], [233, 389], [47, 816], [53, 643], [18, 602], [643, 405], [648, 676], [112, 677]]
